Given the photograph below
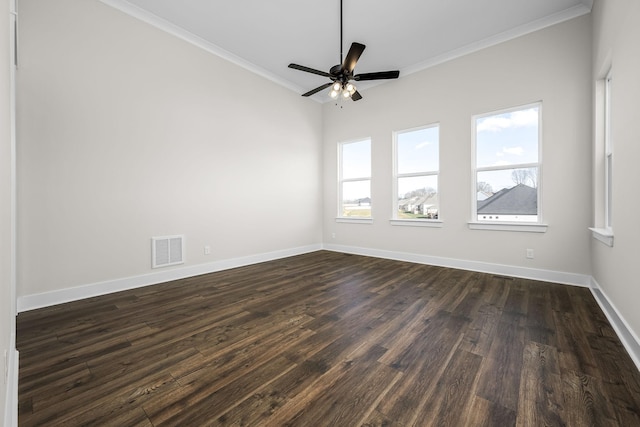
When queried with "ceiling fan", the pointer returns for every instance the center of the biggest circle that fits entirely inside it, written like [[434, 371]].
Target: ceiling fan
[[341, 75]]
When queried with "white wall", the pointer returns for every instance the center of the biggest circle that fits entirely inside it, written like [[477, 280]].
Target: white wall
[[5, 201], [552, 66], [616, 31], [126, 132], [7, 297]]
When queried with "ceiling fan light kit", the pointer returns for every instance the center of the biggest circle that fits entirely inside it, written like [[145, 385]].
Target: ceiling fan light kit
[[342, 74], [347, 90]]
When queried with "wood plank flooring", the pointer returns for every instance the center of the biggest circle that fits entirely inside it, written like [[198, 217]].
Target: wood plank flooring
[[328, 339]]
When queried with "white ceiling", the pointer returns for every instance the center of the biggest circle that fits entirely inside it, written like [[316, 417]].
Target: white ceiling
[[406, 35]]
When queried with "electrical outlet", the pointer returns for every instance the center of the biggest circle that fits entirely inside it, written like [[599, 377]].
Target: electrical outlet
[[529, 253], [207, 250], [333, 235]]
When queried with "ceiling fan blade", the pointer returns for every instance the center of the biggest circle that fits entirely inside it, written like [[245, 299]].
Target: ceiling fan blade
[[353, 55], [318, 89], [380, 75], [309, 70], [356, 96]]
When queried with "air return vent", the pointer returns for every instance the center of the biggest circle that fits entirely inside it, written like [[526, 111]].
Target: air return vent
[[167, 250]]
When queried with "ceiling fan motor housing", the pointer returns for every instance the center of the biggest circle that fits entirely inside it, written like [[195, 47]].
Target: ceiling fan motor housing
[[343, 73], [339, 74]]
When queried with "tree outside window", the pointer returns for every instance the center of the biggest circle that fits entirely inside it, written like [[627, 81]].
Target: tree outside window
[[416, 173], [507, 165]]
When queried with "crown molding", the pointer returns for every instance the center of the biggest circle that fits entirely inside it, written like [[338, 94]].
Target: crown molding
[[557, 18], [136, 12], [166, 26]]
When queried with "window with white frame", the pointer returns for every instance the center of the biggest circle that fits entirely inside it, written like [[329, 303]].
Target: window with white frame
[[507, 165], [608, 156], [416, 174], [355, 179], [603, 155]]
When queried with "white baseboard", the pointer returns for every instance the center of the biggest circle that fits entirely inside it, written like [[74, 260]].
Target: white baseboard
[[30, 302], [629, 339], [11, 396], [35, 301], [574, 279]]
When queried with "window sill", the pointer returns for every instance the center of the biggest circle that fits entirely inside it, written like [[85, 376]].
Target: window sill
[[355, 220], [433, 223], [603, 235], [509, 226]]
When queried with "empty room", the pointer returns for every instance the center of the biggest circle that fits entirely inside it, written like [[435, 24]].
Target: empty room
[[304, 213]]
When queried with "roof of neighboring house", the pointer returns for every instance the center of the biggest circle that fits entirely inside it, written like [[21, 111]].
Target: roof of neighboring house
[[518, 200], [431, 200], [484, 195]]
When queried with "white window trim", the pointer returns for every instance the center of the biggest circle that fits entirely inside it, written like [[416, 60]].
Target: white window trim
[[604, 234], [339, 217], [608, 156], [348, 220], [528, 227], [535, 227], [431, 223], [426, 222]]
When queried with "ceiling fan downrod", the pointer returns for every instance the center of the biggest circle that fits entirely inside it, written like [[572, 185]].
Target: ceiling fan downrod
[[342, 74], [341, 60]]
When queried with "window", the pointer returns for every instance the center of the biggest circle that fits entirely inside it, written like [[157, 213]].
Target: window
[[603, 155], [416, 174], [608, 152], [507, 166], [355, 179]]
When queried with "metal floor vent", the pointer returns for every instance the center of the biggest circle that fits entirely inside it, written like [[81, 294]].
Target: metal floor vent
[[167, 250]]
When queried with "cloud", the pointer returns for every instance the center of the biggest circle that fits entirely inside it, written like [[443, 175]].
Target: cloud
[[493, 124], [517, 151], [523, 118], [423, 144]]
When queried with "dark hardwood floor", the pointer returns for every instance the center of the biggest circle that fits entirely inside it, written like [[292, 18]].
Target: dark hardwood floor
[[328, 339]]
